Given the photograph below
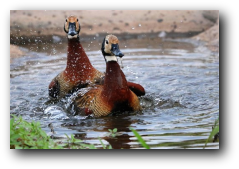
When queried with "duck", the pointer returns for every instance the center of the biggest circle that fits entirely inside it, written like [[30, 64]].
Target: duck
[[79, 72], [115, 94]]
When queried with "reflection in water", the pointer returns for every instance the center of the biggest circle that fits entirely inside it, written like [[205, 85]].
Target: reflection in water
[[179, 109], [120, 140], [84, 126]]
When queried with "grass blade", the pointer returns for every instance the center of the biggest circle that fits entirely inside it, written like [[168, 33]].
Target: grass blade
[[140, 139]]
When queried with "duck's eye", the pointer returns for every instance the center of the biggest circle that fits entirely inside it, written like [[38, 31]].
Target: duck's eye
[[66, 20], [107, 42], [77, 20]]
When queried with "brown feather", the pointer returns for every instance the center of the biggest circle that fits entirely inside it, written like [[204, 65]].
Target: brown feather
[[93, 101]]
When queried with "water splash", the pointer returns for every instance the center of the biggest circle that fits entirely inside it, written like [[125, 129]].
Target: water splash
[[121, 63], [55, 112]]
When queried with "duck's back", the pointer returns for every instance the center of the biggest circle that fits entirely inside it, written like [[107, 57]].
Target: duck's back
[[95, 102], [64, 84]]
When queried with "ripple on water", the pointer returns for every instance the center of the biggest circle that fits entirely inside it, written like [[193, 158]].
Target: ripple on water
[[179, 108]]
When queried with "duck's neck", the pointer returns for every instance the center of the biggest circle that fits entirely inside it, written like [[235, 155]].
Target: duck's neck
[[77, 60], [114, 78]]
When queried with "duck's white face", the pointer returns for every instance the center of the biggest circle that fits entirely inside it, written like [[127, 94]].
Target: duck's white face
[[110, 48], [109, 40], [72, 27]]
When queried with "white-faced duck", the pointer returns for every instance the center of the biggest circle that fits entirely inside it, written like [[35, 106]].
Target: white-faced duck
[[78, 72], [114, 95]]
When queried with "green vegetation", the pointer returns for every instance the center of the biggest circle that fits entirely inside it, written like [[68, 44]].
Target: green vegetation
[[214, 132], [73, 143], [113, 132], [104, 146], [140, 138], [29, 135], [26, 135]]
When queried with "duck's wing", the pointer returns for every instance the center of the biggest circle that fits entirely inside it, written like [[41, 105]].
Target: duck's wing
[[54, 88], [134, 102], [136, 88], [99, 78]]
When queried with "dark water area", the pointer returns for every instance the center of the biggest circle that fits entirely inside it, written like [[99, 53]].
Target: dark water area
[[180, 76]]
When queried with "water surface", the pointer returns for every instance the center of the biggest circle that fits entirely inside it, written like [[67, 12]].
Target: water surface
[[180, 76]]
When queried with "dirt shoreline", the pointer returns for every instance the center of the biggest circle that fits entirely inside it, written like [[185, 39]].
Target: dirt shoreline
[[200, 25]]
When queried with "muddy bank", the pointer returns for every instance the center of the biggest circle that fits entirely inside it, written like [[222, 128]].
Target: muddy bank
[[29, 23], [27, 26], [210, 37], [15, 52]]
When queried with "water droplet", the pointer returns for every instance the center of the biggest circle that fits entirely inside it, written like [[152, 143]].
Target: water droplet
[[139, 25], [54, 51], [121, 63], [132, 27], [162, 34]]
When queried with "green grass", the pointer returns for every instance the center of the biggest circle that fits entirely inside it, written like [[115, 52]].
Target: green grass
[[140, 139], [29, 135], [215, 130]]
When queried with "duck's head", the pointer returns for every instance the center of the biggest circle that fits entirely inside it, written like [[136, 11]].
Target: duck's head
[[110, 48], [72, 27]]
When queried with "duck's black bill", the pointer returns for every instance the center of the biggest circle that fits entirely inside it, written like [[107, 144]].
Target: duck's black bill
[[72, 29], [116, 51]]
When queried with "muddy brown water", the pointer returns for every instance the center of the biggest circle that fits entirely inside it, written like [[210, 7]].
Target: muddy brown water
[[180, 76]]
